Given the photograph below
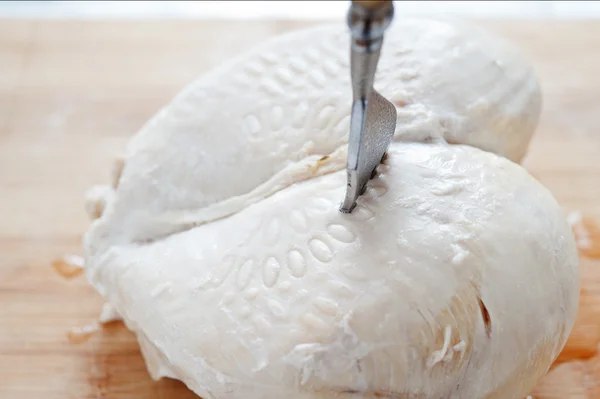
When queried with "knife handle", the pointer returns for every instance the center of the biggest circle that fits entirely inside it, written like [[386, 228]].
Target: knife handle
[[368, 20], [371, 4]]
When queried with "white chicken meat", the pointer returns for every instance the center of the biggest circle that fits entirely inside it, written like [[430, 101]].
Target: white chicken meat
[[222, 247]]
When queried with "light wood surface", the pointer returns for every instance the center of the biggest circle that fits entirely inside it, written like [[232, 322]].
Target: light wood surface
[[72, 93]]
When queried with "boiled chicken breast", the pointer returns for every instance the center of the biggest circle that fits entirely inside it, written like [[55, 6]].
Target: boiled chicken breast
[[222, 247]]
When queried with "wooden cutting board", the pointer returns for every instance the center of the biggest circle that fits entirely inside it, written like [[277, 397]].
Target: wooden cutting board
[[72, 93]]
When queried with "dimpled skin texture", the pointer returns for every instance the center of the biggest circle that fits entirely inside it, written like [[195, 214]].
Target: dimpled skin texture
[[222, 247], [289, 99]]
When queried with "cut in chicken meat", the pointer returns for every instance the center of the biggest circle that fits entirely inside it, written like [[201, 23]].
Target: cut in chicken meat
[[222, 247]]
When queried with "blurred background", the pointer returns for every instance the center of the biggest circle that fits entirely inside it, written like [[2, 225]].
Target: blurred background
[[288, 9]]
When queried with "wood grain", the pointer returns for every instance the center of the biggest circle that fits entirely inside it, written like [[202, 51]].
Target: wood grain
[[72, 93]]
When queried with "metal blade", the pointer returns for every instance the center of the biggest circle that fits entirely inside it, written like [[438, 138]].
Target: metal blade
[[371, 132], [373, 119]]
